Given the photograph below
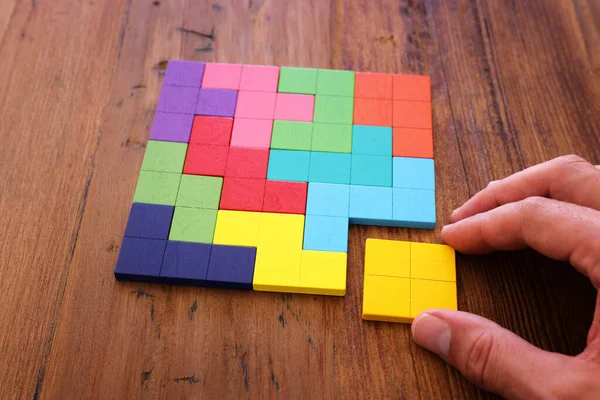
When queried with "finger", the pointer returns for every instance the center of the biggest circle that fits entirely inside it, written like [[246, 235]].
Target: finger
[[562, 231], [568, 178], [494, 358]]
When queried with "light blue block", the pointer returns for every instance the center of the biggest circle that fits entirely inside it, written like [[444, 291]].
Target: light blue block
[[288, 165], [370, 170], [414, 173], [371, 205], [372, 140], [330, 167], [326, 233], [328, 199], [414, 208]]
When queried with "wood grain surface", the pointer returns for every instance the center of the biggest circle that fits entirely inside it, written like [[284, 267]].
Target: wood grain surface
[[515, 83]]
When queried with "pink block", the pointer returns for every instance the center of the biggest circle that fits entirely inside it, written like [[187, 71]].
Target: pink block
[[251, 133], [294, 107], [222, 76], [257, 105], [259, 78]]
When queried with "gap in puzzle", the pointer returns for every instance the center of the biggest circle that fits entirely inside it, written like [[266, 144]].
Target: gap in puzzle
[[252, 175]]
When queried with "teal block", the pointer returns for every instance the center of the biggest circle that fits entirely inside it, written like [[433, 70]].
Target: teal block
[[371, 205], [328, 199], [372, 140], [413, 173], [330, 167], [325, 233], [288, 165], [371, 170], [414, 208]]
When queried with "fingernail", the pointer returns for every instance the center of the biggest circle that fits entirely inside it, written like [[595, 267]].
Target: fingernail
[[432, 333]]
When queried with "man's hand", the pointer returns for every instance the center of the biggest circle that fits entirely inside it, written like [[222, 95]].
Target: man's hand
[[553, 208]]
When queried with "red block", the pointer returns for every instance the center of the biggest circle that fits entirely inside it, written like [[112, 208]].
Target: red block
[[247, 163], [242, 194], [211, 130], [205, 159], [285, 197]]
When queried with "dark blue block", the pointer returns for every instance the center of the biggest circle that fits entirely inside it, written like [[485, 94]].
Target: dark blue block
[[185, 263], [140, 260], [231, 267], [150, 221]]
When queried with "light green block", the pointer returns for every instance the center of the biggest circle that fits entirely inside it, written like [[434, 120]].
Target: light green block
[[164, 156], [297, 80], [333, 109], [291, 135], [193, 225], [334, 138], [199, 192], [335, 82], [157, 188]]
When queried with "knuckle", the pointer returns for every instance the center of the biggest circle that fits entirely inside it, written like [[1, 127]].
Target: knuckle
[[533, 205], [571, 162], [479, 358]]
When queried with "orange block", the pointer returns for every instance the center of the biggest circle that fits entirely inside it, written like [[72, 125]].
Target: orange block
[[370, 85], [372, 112], [412, 87], [411, 142], [412, 114]]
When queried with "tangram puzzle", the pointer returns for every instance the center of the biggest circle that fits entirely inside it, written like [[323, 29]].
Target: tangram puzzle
[[252, 175]]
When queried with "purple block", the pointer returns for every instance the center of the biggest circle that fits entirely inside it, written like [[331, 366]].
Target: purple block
[[177, 99], [149, 221], [171, 127], [140, 260], [184, 73], [231, 267], [216, 102], [186, 263]]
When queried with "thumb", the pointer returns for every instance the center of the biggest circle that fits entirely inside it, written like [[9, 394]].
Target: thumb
[[490, 356]]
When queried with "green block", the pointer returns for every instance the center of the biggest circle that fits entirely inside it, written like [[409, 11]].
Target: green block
[[199, 192], [164, 156], [193, 225], [335, 138], [291, 135], [297, 80], [335, 82], [157, 188], [330, 168], [333, 109], [368, 170]]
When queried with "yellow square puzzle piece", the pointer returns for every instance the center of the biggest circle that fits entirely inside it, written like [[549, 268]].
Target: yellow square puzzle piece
[[387, 257], [432, 261], [237, 228], [386, 298], [281, 230], [277, 269], [426, 294], [323, 272]]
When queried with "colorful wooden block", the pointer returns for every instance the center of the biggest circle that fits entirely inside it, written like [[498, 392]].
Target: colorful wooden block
[[242, 194], [177, 99], [222, 76], [164, 156], [370, 85], [334, 138], [243, 162], [231, 267], [171, 127], [426, 294], [216, 102], [288, 165], [140, 260], [149, 221], [185, 263], [330, 167], [326, 233], [193, 225], [411, 87], [372, 140], [206, 159], [413, 173], [433, 261], [411, 142], [386, 298], [184, 73], [371, 170], [323, 272], [373, 112], [333, 109], [388, 258], [281, 231], [294, 107], [251, 133], [335, 82], [199, 192], [285, 197], [211, 130], [412, 114], [157, 188], [291, 135], [370, 205], [277, 269], [259, 78], [297, 80], [328, 199], [237, 228], [414, 208], [258, 105]]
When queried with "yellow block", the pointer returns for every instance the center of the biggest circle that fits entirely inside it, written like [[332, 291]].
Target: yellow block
[[277, 269], [386, 298], [426, 294], [323, 272], [433, 261], [237, 228], [281, 230], [387, 257]]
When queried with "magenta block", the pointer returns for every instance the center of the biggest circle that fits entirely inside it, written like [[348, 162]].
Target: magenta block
[[216, 102], [184, 73], [178, 99], [172, 127]]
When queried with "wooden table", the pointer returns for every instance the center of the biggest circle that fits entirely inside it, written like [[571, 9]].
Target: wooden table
[[515, 83]]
